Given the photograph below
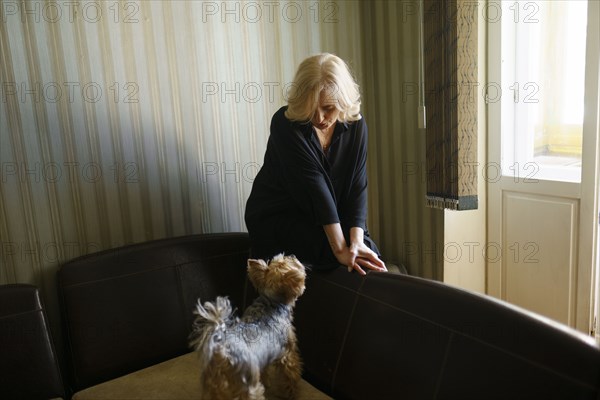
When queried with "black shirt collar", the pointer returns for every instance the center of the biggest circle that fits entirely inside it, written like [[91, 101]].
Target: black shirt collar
[[307, 128]]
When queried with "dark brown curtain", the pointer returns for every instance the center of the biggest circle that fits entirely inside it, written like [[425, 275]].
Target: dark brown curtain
[[451, 89]]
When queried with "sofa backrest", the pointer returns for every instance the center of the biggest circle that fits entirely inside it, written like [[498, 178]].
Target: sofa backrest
[[382, 336], [28, 365], [128, 308], [388, 336]]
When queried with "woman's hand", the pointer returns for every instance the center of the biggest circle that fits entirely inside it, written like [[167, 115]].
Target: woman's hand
[[365, 258], [356, 256]]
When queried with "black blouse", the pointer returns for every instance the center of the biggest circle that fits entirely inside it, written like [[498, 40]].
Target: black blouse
[[299, 179]]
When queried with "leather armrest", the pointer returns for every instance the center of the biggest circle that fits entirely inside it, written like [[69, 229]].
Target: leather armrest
[[28, 365]]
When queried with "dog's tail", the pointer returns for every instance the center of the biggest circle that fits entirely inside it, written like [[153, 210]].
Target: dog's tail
[[210, 325]]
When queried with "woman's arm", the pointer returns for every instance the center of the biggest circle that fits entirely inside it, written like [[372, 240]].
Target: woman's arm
[[354, 208]]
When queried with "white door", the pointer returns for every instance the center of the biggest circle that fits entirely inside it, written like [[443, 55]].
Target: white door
[[542, 172]]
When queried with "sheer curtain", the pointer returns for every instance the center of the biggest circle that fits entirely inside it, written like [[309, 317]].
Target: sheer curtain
[[548, 88]]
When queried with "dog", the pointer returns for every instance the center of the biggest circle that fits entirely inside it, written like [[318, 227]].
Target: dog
[[257, 355]]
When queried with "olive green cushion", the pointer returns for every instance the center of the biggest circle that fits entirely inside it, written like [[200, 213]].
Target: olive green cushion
[[175, 379]]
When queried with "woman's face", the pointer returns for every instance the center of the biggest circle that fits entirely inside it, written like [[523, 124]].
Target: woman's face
[[326, 113]]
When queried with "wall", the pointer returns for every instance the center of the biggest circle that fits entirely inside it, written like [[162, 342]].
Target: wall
[[127, 121], [406, 230], [132, 121]]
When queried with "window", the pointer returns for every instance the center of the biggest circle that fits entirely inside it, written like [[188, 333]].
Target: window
[[543, 71]]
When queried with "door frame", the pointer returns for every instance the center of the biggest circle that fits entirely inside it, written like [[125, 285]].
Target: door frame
[[590, 179], [587, 299]]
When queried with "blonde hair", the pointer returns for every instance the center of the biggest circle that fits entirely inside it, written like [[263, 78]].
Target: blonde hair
[[318, 73]]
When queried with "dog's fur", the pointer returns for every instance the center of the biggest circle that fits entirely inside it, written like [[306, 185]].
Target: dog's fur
[[239, 358]]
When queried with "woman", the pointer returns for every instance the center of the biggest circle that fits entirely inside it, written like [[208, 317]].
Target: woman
[[310, 196]]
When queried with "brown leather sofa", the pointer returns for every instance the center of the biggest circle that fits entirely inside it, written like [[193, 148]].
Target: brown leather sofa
[[29, 368], [127, 314]]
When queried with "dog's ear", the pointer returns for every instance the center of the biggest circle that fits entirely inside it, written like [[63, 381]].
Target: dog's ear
[[257, 264], [257, 269]]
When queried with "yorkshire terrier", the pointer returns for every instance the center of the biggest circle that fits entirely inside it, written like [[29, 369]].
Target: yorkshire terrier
[[257, 355]]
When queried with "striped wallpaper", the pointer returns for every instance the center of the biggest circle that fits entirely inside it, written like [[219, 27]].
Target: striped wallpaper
[[124, 121], [407, 231]]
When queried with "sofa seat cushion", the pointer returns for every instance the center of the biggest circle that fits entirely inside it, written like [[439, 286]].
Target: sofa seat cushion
[[175, 379]]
